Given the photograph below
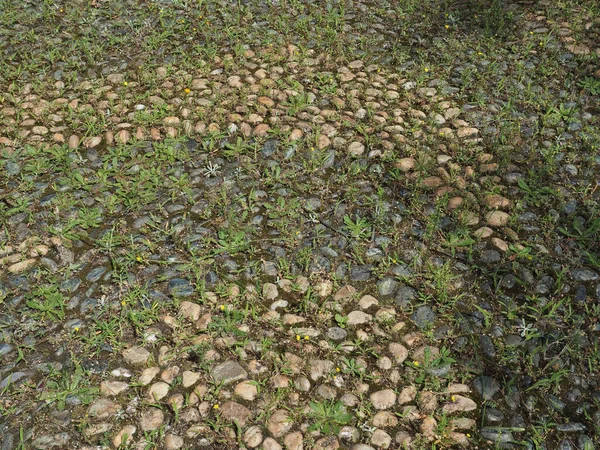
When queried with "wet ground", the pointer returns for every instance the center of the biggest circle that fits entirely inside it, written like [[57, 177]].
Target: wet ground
[[299, 225]]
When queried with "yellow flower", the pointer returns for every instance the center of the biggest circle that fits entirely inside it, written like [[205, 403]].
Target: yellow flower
[[187, 90], [297, 337], [337, 369], [76, 329], [416, 363], [138, 258], [447, 26], [453, 398], [216, 406], [222, 307], [468, 435], [123, 303], [306, 338], [426, 69], [125, 83]]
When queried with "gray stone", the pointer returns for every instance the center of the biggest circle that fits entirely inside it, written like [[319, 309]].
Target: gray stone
[[51, 441], [387, 286], [229, 372], [179, 287], [571, 427], [585, 443], [336, 334], [497, 435], [361, 273], [405, 295], [423, 317], [13, 378], [485, 386], [584, 275]]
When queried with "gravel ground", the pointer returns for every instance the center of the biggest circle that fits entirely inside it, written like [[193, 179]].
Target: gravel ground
[[346, 225]]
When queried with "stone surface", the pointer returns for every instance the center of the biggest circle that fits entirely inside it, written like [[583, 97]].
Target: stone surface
[[383, 399], [279, 423], [136, 356], [228, 372]]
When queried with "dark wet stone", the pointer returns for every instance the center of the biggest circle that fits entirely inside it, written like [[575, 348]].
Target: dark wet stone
[[526, 276], [513, 340], [499, 436], [61, 418], [486, 386], [571, 427], [47, 199], [74, 324], [95, 274], [513, 397], [154, 296], [361, 273], [580, 293], [179, 287], [584, 275], [328, 159], [49, 264], [336, 334], [517, 420], [94, 365], [544, 286], [565, 445], [496, 331], [87, 305], [70, 285], [570, 207], [509, 281], [210, 278], [490, 257], [574, 395], [13, 379], [289, 153], [585, 443], [48, 367], [8, 442], [18, 282], [269, 148], [387, 286], [442, 332], [439, 371], [269, 268], [5, 349], [555, 403], [405, 296], [493, 415], [12, 168], [487, 346], [402, 271], [423, 317]]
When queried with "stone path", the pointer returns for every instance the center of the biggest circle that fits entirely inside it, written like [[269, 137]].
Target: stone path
[[277, 249]]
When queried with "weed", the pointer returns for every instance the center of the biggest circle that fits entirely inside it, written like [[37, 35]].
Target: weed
[[328, 416]]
